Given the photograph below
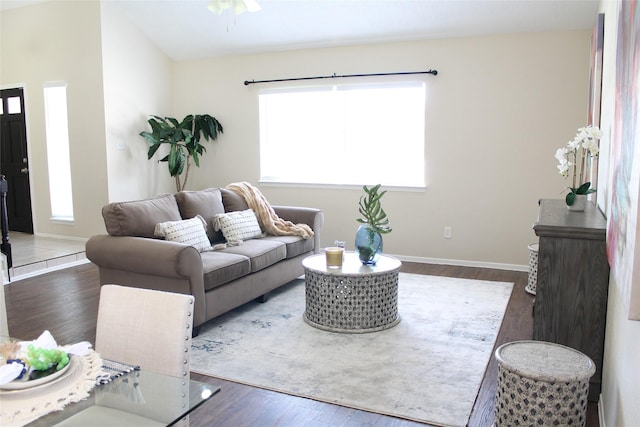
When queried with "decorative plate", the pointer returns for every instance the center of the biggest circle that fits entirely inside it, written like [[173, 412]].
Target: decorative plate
[[21, 385]]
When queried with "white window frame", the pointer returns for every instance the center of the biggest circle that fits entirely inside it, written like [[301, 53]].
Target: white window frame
[[58, 159], [312, 146]]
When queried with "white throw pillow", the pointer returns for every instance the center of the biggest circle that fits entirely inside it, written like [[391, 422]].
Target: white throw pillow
[[191, 232], [238, 225]]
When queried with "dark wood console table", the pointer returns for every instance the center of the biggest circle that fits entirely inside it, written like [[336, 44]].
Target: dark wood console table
[[573, 281]]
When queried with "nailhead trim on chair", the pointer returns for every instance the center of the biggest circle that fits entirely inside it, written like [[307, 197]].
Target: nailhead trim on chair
[[187, 338]]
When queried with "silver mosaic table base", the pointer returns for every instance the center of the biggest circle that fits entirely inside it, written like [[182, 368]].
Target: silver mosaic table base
[[350, 299]]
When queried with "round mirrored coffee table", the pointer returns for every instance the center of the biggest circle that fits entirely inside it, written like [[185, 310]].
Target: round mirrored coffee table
[[355, 298]]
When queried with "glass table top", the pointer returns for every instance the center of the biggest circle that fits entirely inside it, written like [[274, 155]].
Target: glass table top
[[139, 398]]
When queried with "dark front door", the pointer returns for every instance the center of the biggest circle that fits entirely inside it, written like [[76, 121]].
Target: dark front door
[[14, 162]]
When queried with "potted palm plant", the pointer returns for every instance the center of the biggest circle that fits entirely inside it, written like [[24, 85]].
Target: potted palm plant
[[183, 139], [374, 224]]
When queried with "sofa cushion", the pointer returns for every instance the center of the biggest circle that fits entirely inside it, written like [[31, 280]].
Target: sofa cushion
[[295, 245], [139, 218], [206, 203], [220, 268], [237, 226], [188, 231], [232, 201], [261, 252]]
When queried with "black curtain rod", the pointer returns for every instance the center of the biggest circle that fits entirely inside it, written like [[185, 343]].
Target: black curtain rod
[[334, 76]]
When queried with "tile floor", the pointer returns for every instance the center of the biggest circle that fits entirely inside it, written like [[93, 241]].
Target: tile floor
[[34, 255]]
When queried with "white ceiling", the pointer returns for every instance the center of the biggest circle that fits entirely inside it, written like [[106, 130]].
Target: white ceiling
[[186, 29]]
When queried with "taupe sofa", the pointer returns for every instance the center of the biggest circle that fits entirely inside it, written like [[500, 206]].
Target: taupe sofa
[[220, 280]]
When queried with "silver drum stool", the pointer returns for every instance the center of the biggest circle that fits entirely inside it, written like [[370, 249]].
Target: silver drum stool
[[541, 384], [533, 269]]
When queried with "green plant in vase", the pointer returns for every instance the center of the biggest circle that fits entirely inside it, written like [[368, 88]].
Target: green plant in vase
[[374, 224]]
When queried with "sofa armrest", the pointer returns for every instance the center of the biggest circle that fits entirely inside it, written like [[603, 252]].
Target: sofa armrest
[[313, 217], [153, 257]]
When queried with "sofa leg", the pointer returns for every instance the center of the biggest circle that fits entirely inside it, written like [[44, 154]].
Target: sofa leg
[[195, 331], [263, 298]]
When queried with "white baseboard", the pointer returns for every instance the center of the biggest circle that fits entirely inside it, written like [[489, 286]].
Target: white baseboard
[[601, 412], [14, 279], [422, 260], [59, 237], [462, 263]]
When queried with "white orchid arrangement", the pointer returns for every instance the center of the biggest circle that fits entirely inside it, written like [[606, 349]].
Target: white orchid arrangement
[[575, 158]]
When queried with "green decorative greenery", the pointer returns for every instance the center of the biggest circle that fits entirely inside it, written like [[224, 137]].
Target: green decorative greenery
[[370, 208], [573, 192], [184, 141], [42, 359]]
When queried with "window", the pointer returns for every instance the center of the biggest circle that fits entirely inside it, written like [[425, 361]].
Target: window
[[344, 135], [55, 105], [13, 105]]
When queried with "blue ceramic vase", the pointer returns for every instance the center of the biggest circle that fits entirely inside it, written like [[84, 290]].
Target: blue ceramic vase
[[368, 245]]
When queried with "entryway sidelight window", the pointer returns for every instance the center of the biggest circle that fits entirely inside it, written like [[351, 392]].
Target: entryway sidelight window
[[344, 134], [55, 105]]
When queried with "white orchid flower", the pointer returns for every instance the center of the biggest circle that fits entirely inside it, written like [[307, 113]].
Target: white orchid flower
[[563, 169], [586, 140], [592, 146], [591, 132], [574, 143], [561, 154]]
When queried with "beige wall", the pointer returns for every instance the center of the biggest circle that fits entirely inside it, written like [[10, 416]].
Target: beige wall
[[137, 83], [497, 111], [621, 376], [116, 77], [54, 42]]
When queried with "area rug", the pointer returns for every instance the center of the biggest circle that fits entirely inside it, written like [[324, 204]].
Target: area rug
[[428, 368]]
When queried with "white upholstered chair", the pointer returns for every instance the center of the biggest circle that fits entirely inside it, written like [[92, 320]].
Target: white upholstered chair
[[144, 327], [151, 329]]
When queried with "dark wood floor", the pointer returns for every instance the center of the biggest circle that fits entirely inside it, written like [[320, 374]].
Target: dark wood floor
[[66, 303]]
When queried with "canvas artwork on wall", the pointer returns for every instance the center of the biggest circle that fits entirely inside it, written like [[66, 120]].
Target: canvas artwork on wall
[[623, 248], [595, 88]]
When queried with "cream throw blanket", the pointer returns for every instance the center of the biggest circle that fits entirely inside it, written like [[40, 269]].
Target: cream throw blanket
[[270, 222]]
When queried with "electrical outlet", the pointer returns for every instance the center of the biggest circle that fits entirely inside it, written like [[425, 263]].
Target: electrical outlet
[[447, 232]]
